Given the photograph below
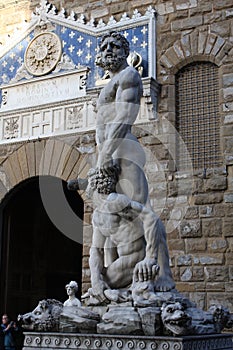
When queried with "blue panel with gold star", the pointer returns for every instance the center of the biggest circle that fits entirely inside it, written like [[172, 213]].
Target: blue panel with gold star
[[81, 47]]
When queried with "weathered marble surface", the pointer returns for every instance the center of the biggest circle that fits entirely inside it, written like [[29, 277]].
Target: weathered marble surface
[[129, 240], [63, 341]]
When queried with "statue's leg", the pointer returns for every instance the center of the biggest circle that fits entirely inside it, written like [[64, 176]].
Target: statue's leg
[[165, 280], [132, 182], [120, 273]]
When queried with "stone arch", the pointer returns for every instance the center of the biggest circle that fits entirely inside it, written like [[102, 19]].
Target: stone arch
[[45, 157], [194, 46]]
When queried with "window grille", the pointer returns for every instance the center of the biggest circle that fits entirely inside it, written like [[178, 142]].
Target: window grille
[[197, 116]]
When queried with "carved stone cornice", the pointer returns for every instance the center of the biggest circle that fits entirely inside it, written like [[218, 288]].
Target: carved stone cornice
[[44, 341]]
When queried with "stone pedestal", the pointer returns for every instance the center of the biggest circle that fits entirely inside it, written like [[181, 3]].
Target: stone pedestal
[[62, 341]]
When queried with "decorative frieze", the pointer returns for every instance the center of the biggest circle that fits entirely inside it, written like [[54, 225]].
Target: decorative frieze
[[44, 341]]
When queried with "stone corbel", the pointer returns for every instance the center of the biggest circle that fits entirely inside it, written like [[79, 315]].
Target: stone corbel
[[151, 90]]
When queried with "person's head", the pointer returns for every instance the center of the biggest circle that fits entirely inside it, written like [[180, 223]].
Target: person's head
[[5, 319], [114, 50], [71, 288]]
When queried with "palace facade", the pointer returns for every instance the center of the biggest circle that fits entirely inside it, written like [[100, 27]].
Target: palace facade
[[49, 85]]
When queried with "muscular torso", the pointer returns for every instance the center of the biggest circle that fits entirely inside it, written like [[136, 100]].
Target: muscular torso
[[126, 236], [113, 98]]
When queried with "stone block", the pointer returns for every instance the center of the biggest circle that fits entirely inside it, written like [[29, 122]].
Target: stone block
[[138, 3], [229, 258], [228, 107], [205, 8], [192, 22], [198, 186], [220, 210], [215, 286], [186, 275], [195, 244], [228, 227], [206, 211], [190, 229], [87, 234], [202, 41], [217, 46], [185, 186], [230, 244], [212, 17], [199, 299], [229, 209], [227, 79], [228, 197], [30, 151], [86, 249], [23, 162], [216, 273], [192, 213], [218, 245], [99, 13], [229, 287], [185, 4], [228, 129], [227, 94], [208, 198], [118, 8], [184, 260], [86, 275], [216, 183], [176, 244], [219, 5], [198, 273], [85, 262], [185, 287], [209, 43], [208, 259], [231, 272]]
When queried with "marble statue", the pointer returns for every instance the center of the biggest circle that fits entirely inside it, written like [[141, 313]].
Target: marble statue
[[45, 317], [131, 280], [71, 289], [129, 240], [181, 319]]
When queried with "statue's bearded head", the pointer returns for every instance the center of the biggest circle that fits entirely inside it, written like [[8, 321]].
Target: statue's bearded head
[[114, 50]]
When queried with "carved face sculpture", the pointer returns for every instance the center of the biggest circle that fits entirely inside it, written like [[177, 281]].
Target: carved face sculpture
[[71, 288], [44, 317], [70, 291], [113, 51], [175, 319]]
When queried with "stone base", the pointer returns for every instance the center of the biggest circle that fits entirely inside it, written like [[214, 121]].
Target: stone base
[[63, 341]]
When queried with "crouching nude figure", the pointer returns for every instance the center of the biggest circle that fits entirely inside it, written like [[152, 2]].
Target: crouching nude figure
[[129, 240]]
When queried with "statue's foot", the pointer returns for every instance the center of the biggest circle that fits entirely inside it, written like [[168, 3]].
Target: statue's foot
[[164, 283], [118, 295]]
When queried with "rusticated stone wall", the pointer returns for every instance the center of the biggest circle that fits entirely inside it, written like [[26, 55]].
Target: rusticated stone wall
[[196, 207]]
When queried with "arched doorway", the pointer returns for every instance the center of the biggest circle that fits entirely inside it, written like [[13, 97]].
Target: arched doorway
[[37, 259]]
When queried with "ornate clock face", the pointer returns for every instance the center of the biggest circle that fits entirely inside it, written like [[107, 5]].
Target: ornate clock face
[[43, 53]]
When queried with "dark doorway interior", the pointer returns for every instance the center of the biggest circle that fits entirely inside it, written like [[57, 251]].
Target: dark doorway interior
[[37, 260]]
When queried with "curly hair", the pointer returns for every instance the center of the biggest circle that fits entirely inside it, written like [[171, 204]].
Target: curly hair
[[118, 36], [72, 284]]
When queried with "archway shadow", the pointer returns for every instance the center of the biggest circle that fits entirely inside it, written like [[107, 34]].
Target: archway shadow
[[37, 259]]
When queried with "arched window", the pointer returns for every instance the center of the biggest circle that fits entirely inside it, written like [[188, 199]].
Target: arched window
[[197, 116]]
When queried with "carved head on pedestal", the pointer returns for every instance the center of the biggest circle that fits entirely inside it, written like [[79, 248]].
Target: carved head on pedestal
[[71, 288]]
